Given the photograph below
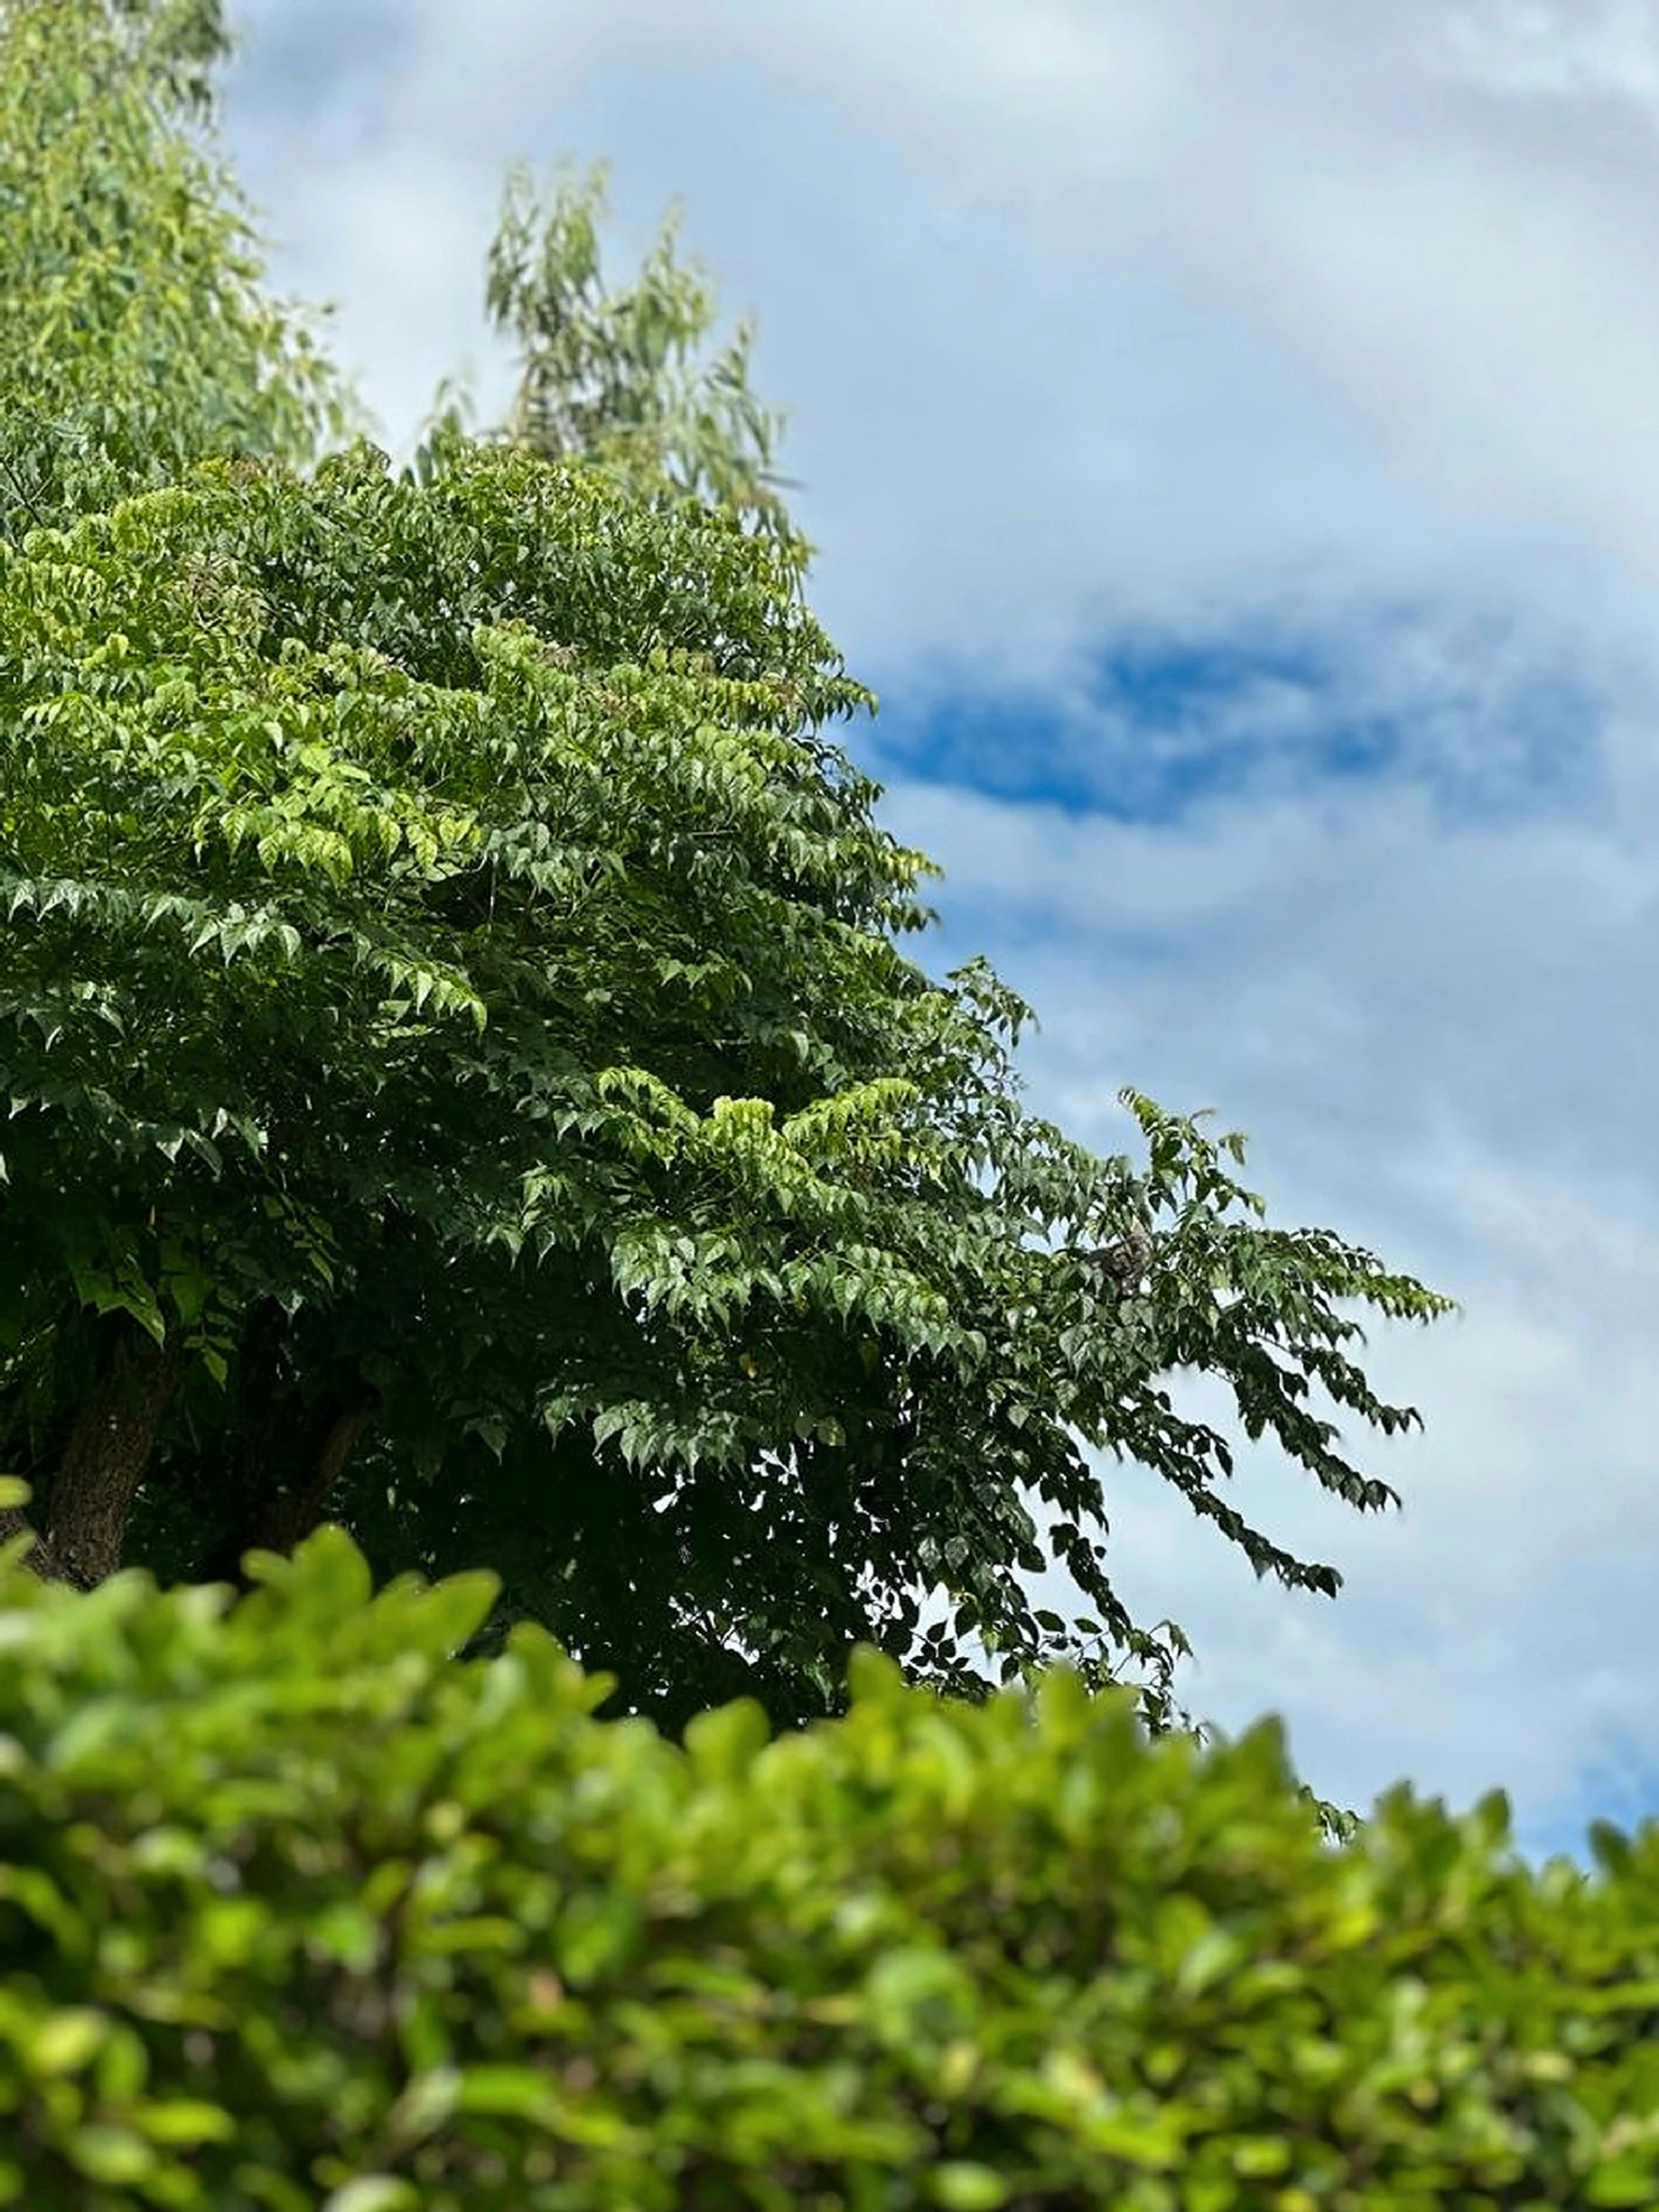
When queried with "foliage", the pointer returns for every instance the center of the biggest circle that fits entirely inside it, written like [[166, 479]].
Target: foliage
[[300, 1913], [608, 376], [133, 334]]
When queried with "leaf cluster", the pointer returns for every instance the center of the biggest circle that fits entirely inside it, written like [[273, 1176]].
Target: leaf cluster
[[135, 333], [610, 376]]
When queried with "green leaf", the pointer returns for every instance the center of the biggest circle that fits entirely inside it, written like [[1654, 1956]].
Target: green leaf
[[963, 2186]]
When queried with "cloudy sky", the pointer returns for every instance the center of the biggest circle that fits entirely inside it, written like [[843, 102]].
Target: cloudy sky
[[1232, 436]]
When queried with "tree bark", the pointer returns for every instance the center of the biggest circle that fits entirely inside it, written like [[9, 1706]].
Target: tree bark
[[291, 1454], [291, 1451], [40, 1559], [79, 1538], [290, 1511]]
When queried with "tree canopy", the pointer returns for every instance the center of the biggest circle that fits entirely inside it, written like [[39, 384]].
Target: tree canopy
[[134, 331], [464, 1083], [612, 377]]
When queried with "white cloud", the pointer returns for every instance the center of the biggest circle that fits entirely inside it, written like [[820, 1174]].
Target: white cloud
[[1436, 1038], [1199, 329], [1593, 48]]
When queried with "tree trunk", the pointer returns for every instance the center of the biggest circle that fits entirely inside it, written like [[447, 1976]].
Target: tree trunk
[[293, 1451], [40, 1559], [104, 1460], [283, 1514]]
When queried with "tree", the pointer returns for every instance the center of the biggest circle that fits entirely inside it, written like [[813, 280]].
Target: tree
[[459, 975], [133, 334], [464, 1086], [609, 377]]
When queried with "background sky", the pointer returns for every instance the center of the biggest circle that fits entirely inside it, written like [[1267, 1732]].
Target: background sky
[[1231, 430]]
